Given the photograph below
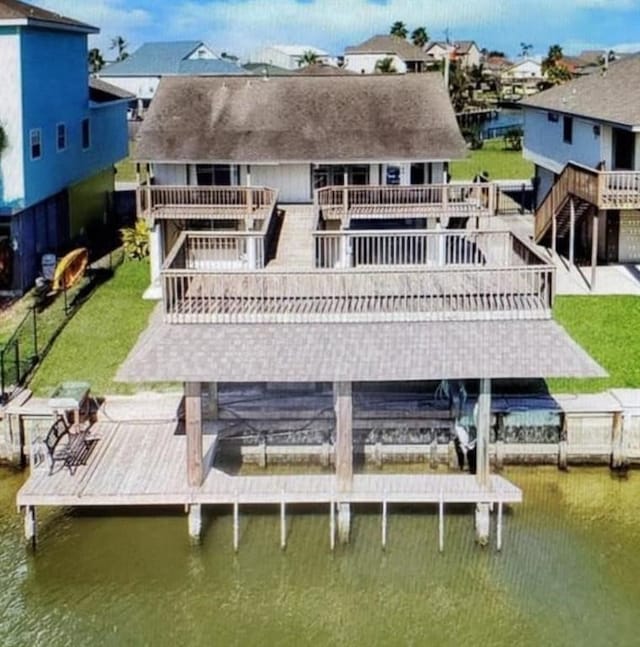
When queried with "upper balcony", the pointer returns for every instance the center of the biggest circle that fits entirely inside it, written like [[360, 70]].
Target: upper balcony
[[172, 202], [421, 276]]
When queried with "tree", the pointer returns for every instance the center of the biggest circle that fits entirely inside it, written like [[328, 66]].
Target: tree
[[386, 66], [96, 61], [525, 49], [120, 44], [419, 36], [496, 52], [459, 86], [554, 56], [553, 68], [309, 57], [399, 29]]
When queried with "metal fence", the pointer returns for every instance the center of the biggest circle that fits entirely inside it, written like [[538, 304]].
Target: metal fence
[[20, 354]]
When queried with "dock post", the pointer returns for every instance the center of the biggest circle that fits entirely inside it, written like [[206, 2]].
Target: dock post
[[195, 522], [499, 527], [482, 517], [563, 444], [384, 524], [332, 524], [193, 429], [283, 525], [441, 523], [236, 525], [343, 405], [30, 525], [618, 454], [433, 453]]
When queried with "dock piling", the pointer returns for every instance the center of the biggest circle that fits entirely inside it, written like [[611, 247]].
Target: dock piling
[[332, 524], [441, 523], [384, 524], [30, 525], [195, 522], [499, 528], [236, 525], [283, 525]]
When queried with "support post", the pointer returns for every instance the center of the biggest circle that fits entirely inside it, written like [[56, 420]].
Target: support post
[[195, 522], [332, 524], [283, 524], [572, 230], [155, 253], [384, 524], [30, 525], [236, 526], [483, 424], [594, 249], [441, 522], [193, 428], [554, 232], [499, 528], [618, 455], [211, 410], [343, 406]]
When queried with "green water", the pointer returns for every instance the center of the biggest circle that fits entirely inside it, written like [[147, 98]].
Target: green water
[[569, 574]]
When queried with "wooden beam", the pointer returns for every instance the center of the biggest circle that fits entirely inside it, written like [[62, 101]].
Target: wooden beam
[[193, 429], [483, 424], [572, 229], [594, 249], [343, 405]]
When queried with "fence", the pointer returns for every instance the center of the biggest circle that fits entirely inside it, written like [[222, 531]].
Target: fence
[[38, 329]]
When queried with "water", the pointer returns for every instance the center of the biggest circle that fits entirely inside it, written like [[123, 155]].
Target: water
[[569, 574], [506, 117]]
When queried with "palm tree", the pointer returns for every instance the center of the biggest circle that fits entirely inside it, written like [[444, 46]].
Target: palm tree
[[96, 61], [386, 66], [525, 49], [309, 57], [120, 44], [399, 29], [419, 36]]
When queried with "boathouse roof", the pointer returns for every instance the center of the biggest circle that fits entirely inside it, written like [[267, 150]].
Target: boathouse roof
[[302, 119], [611, 96], [371, 351]]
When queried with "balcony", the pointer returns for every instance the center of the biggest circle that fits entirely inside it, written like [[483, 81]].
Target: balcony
[[409, 276], [172, 202], [347, 203]]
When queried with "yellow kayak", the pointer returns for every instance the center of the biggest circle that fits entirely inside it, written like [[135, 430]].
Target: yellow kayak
[[70, 268]]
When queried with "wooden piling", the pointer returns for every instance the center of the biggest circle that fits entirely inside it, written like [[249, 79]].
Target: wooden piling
[[236, 526]]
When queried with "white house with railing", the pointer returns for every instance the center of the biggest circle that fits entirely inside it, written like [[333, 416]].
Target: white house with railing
[[584, 139]]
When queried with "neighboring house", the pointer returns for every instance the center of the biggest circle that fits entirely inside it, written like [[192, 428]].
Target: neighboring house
[[406, 57], [63, 138], [523, 77], [264, 69], [289, 57], [466, 52], [141, 72], [584, 140]]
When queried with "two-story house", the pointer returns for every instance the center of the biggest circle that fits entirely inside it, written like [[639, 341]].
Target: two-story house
[[405, 56], [583, 138], [61, 138]]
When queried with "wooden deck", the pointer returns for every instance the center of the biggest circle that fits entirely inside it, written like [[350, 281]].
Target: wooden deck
[[144, 464]]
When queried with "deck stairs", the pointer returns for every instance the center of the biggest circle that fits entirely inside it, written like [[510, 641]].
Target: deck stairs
[[295, 245], [576, 184]]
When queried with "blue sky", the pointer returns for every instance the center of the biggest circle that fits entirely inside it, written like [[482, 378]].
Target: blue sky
[[243, 26]]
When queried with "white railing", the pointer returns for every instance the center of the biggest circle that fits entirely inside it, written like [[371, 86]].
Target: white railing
[[336, 249], [620, 190], [234, 198], [341, 201], [351, 295]]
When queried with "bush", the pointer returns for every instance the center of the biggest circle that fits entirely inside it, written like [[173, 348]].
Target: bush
[[513, 139], [135, 240], [473, 137]]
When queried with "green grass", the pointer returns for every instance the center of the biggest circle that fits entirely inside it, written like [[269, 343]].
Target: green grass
[[607, 328], [100, 335], [499, 163], [126, 168]]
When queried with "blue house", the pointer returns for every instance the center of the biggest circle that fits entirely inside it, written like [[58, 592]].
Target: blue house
[[140, 73], [60, 138]]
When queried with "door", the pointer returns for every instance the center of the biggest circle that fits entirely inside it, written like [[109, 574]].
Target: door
[[613, 236], [624, 142]]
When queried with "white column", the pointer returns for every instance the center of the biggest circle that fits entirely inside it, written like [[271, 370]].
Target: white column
[[155, 257], [483, 423], [195, 522], [342, 399]]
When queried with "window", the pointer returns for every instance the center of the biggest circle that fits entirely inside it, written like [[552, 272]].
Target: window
[[86, 134], [35, 139], [552, 116], [61, 137], [567, 130]]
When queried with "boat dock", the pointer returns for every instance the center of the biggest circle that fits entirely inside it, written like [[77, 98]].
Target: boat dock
[[142, 463]]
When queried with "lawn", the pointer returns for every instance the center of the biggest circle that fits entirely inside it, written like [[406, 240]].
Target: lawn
[[100, 335], [499, 163], [607, 328], [126, 168]]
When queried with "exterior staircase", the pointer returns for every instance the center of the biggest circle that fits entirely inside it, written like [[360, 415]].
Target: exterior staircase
[[295, 245]]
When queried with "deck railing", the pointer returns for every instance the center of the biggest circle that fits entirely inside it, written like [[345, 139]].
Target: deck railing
[[502, 278], [619, 190], [346, 202], [335, 249], [191, 200]]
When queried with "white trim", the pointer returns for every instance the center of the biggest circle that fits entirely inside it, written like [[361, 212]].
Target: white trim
[[48, 24], [32, 132], [394, 160]]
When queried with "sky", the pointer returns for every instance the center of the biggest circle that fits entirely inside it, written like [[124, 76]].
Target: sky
[[241, 27]]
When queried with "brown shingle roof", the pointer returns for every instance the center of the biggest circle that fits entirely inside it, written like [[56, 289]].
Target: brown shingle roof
[[100, 90], [384, 44], [306, 352], [16, 10], [301, 119], [612, 97]]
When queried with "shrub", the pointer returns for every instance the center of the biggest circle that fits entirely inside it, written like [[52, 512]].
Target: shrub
[[513, 139], [135, 240], [473, 137]]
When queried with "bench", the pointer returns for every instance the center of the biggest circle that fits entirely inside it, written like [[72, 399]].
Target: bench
[[65, 447]]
